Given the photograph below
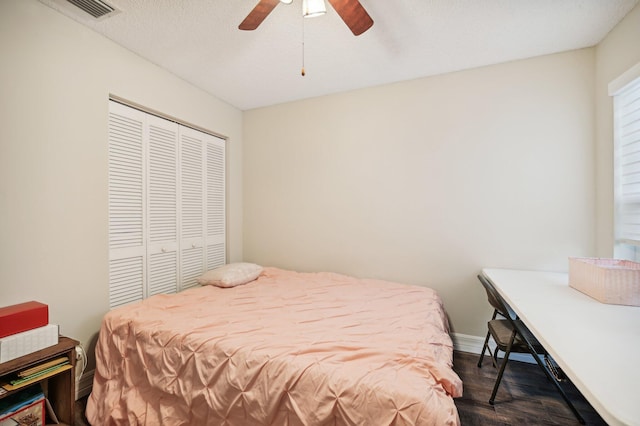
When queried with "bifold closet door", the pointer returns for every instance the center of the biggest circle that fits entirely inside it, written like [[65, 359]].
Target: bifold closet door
[[162, 206], [216, 217], [166, 205], [202, 221], [127, 199]]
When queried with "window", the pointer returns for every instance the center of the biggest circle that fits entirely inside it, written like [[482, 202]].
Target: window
[[166, 204], [626, 101]]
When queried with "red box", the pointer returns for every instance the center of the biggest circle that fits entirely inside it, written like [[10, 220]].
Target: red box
[[23, 317]]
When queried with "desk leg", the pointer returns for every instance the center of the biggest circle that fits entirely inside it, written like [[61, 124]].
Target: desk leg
[[553, 379]]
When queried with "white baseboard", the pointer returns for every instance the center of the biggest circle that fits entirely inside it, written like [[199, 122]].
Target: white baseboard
[[467, 343], [473, 345], [84, 384]]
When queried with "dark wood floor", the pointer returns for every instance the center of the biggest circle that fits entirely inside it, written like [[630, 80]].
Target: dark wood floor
[[525, 397], [80, 418]]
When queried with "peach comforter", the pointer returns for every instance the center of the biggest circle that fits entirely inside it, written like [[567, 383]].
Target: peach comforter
[[288, 349]]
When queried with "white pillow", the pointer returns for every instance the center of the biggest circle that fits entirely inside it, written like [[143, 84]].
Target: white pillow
[[231, 275]]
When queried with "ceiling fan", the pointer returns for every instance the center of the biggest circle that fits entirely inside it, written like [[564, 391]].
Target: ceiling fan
[[351, 12]]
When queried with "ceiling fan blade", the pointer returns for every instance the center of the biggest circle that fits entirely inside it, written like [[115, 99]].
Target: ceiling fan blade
[[258, 14], [353, 14]]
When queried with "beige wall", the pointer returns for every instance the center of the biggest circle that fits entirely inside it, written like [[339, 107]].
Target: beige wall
[[618, 52], [428, 181], [55, 80]]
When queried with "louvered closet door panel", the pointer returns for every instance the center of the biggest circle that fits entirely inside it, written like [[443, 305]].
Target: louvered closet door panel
[[191, 265], [192, 175], [192, 205], [126, 184], [163, 272], [126, 280], [162, 207], [126, 204], [215, 188]]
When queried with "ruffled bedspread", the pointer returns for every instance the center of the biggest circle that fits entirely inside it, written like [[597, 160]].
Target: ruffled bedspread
[[287, 349]]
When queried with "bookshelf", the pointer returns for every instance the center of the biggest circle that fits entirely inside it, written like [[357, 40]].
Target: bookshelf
[[59, 387]]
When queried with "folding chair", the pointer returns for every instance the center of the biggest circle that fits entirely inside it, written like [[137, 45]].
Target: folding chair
[[512, 336], [497, 310]]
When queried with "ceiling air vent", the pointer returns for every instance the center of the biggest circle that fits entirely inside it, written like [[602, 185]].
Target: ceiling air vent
[[96, 8]]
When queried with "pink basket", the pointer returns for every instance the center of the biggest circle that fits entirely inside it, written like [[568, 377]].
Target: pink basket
[[606, 280]]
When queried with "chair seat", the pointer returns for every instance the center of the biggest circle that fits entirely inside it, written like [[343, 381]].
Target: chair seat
[[501, 330]]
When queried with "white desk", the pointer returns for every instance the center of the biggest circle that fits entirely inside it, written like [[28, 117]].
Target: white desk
[[596, 344]]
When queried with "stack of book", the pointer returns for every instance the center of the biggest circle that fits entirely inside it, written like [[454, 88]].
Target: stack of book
[[25, 328], [33, 374]]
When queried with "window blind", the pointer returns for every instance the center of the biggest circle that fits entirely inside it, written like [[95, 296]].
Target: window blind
[[627, 163]]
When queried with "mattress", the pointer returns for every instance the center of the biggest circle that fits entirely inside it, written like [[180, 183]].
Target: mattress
[[289, 348]]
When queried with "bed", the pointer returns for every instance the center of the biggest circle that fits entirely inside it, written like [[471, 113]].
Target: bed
[[287, 348]]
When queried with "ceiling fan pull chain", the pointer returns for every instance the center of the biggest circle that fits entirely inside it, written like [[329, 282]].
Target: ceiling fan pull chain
[[303, 72]]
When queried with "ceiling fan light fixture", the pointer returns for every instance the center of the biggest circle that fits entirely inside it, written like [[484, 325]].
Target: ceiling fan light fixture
[[311, 8], [286, 1]]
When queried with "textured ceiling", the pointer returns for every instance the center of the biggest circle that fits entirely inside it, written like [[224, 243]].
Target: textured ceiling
[[199, 41]]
